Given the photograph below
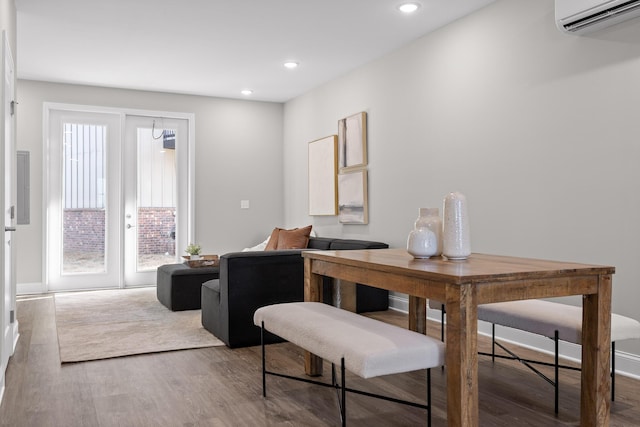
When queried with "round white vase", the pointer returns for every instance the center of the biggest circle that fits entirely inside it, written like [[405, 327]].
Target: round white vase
[[456, 241], [425, 241]]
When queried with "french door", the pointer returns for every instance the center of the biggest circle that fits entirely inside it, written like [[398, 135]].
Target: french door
[[152, 201], [113, 210]]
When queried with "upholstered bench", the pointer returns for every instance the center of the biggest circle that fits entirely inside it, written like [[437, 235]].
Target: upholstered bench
[[178, 285], [560, 322], [364, 346]]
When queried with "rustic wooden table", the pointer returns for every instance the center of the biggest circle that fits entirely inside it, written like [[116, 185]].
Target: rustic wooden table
[[462, 285]]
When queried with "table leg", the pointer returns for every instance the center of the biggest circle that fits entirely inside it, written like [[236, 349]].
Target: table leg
[[462, 356], [312, 292], [345, 295], [418, 314], [596, 347]]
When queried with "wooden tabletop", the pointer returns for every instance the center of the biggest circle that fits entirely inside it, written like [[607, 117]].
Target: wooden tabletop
[[478, 268]]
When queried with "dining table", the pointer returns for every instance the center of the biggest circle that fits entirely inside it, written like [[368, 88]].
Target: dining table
[[463, 285]]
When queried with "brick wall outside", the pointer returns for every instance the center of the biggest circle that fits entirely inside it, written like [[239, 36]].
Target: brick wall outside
[[154, 228], [84, 230]]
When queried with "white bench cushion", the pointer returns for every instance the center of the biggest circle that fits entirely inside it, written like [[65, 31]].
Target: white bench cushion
[[370, 347], [545, 317]]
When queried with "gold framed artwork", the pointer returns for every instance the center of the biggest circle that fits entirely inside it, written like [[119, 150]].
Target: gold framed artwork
[[352, 141], [323, 184], [352, 197]]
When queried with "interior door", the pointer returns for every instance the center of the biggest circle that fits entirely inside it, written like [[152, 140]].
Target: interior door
[[8, 194], [83, 200], [155, 214]]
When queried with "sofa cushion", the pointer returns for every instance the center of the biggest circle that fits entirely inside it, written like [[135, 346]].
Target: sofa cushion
[[214, 285], [321, 243], [339, 244]]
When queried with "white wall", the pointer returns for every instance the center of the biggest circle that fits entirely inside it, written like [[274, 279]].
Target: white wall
[[538, 129], [238, 156], [8, 22]]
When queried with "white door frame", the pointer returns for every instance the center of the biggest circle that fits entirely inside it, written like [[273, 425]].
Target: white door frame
[[185, 160]]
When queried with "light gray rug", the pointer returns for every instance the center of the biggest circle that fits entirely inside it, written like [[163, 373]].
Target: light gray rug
[[103, 324]]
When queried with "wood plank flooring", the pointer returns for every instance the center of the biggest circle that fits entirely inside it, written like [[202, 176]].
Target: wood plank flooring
[[222, 387]]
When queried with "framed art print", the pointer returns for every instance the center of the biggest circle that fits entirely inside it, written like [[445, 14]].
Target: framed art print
[[323, 185], [352, 197], [352, 141]]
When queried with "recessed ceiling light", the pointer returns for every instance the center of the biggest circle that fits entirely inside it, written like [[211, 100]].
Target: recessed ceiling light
[[409, 7], [291, 65], [246, 92]]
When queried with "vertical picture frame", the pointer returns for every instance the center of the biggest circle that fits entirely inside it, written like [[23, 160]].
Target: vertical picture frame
[[323, 181], [352, 141], [352, 197]]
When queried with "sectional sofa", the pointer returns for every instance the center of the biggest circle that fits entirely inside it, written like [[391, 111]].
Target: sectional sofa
[[250, 280]]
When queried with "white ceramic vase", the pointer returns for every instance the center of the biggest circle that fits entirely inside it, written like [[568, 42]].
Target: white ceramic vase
[[425, 240], [456, 241]]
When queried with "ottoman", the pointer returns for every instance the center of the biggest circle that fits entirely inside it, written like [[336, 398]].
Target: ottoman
[[178, 285]]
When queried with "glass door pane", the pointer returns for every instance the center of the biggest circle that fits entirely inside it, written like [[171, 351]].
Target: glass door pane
[[84, 207], [152, 187], [156, 198]]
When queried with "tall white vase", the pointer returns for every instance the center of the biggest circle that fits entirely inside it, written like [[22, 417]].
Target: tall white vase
[[456, 241]]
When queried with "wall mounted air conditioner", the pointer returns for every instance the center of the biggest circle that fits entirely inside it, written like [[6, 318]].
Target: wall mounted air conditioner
[[584, 16]]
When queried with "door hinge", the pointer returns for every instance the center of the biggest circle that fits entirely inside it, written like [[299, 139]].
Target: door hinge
[[13, 107], [12, 316], [13, 212]]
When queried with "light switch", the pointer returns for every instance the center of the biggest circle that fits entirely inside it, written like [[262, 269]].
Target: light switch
[[244, 204]]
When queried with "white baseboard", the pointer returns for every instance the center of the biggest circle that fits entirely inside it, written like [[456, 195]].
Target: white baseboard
[[16, 336], [3, 368], [30, 288], [399, 303], [1, 386], [627, 364]]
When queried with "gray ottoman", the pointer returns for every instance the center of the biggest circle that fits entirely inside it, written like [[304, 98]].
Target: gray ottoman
[[178, 285]]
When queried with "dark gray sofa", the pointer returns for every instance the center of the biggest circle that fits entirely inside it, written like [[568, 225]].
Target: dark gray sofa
[[250, 280]]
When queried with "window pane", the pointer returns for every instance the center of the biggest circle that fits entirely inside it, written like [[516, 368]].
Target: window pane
[[84, 189], [156, 198]]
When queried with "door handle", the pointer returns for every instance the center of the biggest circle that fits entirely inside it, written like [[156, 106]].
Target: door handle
[[130, 226], [9, 229]]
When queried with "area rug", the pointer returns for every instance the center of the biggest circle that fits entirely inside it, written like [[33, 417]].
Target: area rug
[[103, 324]]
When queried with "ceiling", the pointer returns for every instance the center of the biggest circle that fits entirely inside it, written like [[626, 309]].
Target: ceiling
[[216, 47]]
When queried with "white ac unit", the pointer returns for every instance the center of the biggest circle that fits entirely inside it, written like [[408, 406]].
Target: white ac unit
[[584, 16]]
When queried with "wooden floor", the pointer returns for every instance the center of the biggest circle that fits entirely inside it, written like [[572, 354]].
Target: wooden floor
[[222, 387]]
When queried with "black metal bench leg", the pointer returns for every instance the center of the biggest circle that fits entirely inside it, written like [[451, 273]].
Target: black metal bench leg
[[613, 371], [428, 397], [557, 369], [493, 342], [343, 394], [442, 313], [264, 371]]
